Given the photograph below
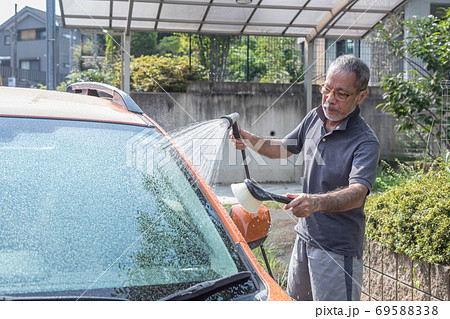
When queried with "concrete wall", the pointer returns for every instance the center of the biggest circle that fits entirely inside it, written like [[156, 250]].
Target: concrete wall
[[395, 277], [265, 109]]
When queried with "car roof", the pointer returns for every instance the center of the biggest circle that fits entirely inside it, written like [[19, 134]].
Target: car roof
[[22, 102]]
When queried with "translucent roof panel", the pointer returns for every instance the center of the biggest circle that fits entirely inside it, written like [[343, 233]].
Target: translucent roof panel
[[165, 26], [298, 31], [287, 3], [179, 12], [311, 17], [118, 24], [328, 4], [229, 14], [142, 25], [345, 33], [298, 18], [221, 28], [267, 30], [376, 5], [145, 10], [85, 7], [273, 16], [356, 19], [120, 9], [90, 23]]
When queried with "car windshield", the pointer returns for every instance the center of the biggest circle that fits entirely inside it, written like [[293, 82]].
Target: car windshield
[[94, 208]]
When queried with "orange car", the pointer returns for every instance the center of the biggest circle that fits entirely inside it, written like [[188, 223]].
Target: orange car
[[98, 204]]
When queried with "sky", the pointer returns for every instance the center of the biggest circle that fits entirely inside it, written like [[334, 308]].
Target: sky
[[7, 7]]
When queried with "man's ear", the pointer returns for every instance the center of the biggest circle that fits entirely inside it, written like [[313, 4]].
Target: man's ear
[[362, 96]]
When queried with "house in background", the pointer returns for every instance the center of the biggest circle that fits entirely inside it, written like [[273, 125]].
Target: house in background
[[31, 48], [374, 53]]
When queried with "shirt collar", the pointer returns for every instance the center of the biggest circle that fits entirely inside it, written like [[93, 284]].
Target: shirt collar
[[343, 125]]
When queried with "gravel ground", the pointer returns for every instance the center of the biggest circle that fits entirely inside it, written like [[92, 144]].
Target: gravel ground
[[282, 234]]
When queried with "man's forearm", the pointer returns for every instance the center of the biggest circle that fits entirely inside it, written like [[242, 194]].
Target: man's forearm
[[343, 199], [338, 201], [272, 148]]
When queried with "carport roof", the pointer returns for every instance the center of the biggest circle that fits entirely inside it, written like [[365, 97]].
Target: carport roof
[[295, 18]]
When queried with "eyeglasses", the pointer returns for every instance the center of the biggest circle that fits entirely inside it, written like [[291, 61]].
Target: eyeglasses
[[338, 95]]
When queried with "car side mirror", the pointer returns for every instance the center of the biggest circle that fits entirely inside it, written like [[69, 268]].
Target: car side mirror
[[254, 227]]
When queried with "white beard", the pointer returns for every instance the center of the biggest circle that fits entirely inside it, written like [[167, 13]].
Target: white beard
[[338, 117]]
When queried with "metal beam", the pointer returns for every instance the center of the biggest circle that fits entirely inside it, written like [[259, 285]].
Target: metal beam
[[205, 15], [340, 7], [111, 16], [126, 62], [309, 46], [249, 17], [107, 18], [295, 17], [129, 17], [50, 33]]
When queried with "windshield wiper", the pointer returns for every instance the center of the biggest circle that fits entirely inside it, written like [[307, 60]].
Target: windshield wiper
[[59, 298], [204, 289]]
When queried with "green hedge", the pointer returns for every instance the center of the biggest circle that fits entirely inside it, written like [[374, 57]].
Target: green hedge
[[414, 217], [154, 73]]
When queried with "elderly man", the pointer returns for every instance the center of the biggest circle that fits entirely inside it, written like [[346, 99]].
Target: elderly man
[[341, 156]]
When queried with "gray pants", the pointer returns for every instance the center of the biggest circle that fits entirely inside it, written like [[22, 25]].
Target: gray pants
[[322, 275]]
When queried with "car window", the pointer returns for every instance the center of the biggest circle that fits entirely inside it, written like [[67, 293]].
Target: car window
[[88, 206]]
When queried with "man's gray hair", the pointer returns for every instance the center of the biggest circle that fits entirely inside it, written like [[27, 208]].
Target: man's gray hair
[[349, 63]]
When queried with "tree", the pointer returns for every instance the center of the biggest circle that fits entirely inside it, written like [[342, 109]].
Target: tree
[[84, 49], [416, 98], [112, 51], [213, 53], [143, 43], [170, 45], [271, 60]]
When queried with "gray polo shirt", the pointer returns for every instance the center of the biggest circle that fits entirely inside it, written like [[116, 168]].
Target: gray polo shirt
[[346, 155]]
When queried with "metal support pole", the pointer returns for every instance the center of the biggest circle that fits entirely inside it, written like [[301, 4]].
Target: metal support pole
[[50, 32], [248, 60], [70, 51], [126, 62], [122, 36], [309, 72], [190, 52], [95, 49], [14, 35]]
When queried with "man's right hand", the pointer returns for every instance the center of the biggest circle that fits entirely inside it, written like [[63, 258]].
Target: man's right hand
[[240, 143]]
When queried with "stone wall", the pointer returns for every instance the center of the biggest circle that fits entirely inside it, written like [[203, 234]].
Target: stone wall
[[395, 277]]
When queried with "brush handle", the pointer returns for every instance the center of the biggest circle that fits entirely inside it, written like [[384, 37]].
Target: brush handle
[[280, 199], [244, 157]]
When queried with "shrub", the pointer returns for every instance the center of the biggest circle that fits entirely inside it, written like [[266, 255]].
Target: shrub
[[391, 175], [414, 217], [86, 76], [91, 75], [155, 73]]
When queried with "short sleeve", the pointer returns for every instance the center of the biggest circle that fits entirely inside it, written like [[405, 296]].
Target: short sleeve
[[364, 165], [293, 142]]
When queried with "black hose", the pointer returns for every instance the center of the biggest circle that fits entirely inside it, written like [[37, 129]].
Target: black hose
[[244, 157]]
